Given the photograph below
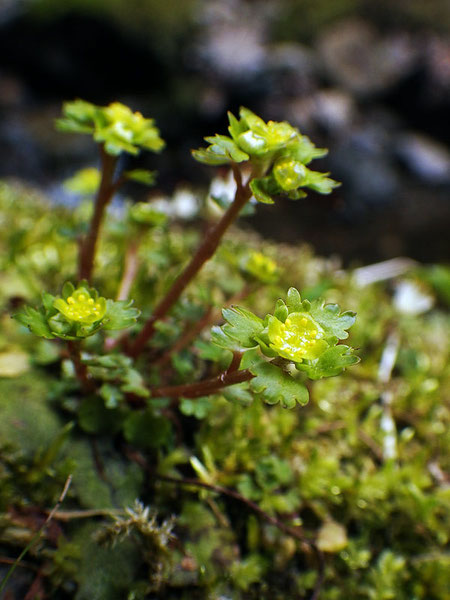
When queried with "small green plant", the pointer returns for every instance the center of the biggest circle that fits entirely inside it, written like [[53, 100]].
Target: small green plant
[[179, 353], [268, 160]]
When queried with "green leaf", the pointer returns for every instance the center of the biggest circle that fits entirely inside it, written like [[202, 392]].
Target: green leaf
[[319, 182], [209, 351], [332, 320], [133, 383], [263, 189], [67, 290], [36, 322], [294, 300], [274, 385], [111, 395], [85, 182], [330, 363], [196, 407], [281, 310], [240, 330], [238, 394], [79, 117], [119, 315], [236, 127], [305, 151], [141, 176], [222, 150]]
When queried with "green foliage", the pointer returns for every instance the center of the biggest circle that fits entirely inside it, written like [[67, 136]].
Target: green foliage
[[142, 213], [240, 330], [78, 314], [85, 182], [274, 386], [114, 126], [360, 470], [274, 148], [260, 267], [299, 332]]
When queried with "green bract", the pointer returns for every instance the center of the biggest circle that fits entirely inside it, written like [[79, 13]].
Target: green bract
[[115, 126], [278, 151], [77, 314]]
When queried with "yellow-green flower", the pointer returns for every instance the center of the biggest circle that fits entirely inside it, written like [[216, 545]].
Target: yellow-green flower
[[115, 126], [289, 173], [299, 337], [259, 137], [81, 307], [262, 267], [127, 130]]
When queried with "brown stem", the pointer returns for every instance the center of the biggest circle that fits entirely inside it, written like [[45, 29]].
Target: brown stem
[[294, 532], [201, 388], [104, 195], [211, 316], [80, 369], [188, 335], [204, 253]]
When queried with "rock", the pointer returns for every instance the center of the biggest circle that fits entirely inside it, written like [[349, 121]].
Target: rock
[[356, 57], [232, 40], [424, 157]]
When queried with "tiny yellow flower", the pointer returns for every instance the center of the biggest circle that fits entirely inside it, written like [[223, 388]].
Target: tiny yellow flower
[[81, 307], [262, 267], [298, 338]]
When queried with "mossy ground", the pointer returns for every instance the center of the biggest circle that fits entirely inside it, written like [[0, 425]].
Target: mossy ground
[[381, 519]]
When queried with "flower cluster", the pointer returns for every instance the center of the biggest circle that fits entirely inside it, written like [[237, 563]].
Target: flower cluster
[[114, 126], [278, 151], [301, 332], [77, 314]]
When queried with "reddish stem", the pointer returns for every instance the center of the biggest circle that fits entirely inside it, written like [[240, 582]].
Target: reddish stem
[[202, 388], [205, 251], [104, 195], [81, 371], [193, 330]]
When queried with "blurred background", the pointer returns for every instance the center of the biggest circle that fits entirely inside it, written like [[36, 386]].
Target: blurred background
[[369, 79]]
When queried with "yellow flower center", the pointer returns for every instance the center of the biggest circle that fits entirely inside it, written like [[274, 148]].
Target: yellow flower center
[[298, 338], [81, 307]]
